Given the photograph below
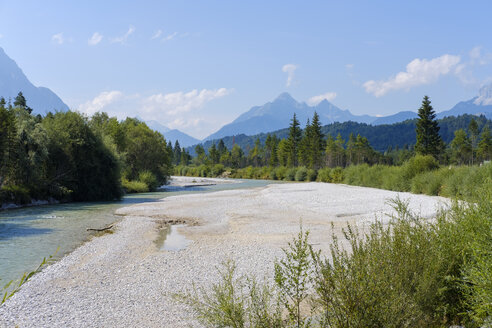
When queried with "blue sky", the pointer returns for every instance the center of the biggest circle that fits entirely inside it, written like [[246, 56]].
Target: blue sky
[[196, 65]]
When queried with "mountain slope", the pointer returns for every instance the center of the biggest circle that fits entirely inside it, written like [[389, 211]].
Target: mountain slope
[[278, 114], [184, 139], [13, 80], [380, 136]]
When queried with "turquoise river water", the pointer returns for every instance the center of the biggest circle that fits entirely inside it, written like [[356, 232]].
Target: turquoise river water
[[29, 234]]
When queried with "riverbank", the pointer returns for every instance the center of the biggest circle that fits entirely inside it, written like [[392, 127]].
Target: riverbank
[[125, 279]]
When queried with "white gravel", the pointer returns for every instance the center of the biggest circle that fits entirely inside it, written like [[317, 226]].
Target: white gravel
[[124, 280]]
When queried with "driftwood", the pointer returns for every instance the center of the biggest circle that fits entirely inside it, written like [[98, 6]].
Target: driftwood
[[99, 230]]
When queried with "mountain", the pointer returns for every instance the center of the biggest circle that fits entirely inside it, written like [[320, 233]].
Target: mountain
[[380, 136], [480, 105], [395, 118], [13, 80], [184, 139], [278, 114]]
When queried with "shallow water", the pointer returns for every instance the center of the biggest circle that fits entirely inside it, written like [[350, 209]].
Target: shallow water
[[29, 234], [170, 239]]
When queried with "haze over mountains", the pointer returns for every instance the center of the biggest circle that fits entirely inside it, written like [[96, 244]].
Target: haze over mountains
[[277, 114], [272, 116], [13, 80]]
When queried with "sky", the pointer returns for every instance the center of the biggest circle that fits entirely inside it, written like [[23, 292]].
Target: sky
[[197, 65]]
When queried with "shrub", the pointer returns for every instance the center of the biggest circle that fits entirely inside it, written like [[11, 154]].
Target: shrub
[[312, 175], [301, 174], [324, 174], [281, 172], [217, 170], [133, 186], [14, 194], [290, 174], [272, 175], [149, 179], [337, 175]]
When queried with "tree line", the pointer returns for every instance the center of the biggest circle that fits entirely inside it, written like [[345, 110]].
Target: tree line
[[68, 156], [311, 148]]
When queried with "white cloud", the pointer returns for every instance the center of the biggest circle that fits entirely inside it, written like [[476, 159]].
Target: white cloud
[[122, 39], [58, 38], [156, 35], [289, 69], [181, 102], [1, 35], [313, 101], [100, 102], [418, 72], [95, 39], [349, 66], [169, 37]]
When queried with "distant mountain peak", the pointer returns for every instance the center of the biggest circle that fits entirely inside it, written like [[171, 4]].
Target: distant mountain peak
[[13, 81], [484, 96], [284, 97]]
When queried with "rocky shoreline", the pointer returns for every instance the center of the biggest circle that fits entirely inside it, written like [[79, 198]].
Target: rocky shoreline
[[124, 279]]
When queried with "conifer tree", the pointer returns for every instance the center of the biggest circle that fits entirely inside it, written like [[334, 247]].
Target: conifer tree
[[293, 141], [461, 147], [316, 143], [214, 154], [428, 139], [484, 149], [177, 152], [473, 130]]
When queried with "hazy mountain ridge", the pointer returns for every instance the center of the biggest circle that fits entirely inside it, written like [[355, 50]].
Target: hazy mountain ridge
[[13, 80], [380, 136], [278, 113], [172, 135]]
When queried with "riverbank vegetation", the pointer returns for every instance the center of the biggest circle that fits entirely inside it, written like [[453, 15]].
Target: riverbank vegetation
[[413, 272], [430, 166], [69, 157]]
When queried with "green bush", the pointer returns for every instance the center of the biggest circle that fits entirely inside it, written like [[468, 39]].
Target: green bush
[[134, 186], [272, 175], [14, 194], [337, 175], [149, 179], [324, 174], [290, 174], [312, 175], [301, 174], [413, 272], [281, 172], [217, 170]]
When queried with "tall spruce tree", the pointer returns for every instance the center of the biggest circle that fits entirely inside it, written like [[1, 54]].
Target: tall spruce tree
[[317, 143], [293, 141], [428, 139]]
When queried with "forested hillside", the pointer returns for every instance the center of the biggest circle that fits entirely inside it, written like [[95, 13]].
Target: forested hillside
[[379, 136]]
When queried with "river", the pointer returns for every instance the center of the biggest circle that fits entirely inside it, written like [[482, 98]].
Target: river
[[29, 234]]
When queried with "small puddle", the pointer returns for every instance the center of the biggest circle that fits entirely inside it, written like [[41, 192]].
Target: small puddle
[[169, 239]]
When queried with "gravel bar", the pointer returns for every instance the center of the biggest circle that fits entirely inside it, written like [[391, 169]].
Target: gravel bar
[[124, 280]]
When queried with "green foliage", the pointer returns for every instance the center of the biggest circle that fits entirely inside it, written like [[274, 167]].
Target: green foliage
[[413, 272], [230, 303], [292, 277], [134, 186], [429, 141], [14, 194], [301, 174], [149, 179], [79, 161], [290, 174]]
